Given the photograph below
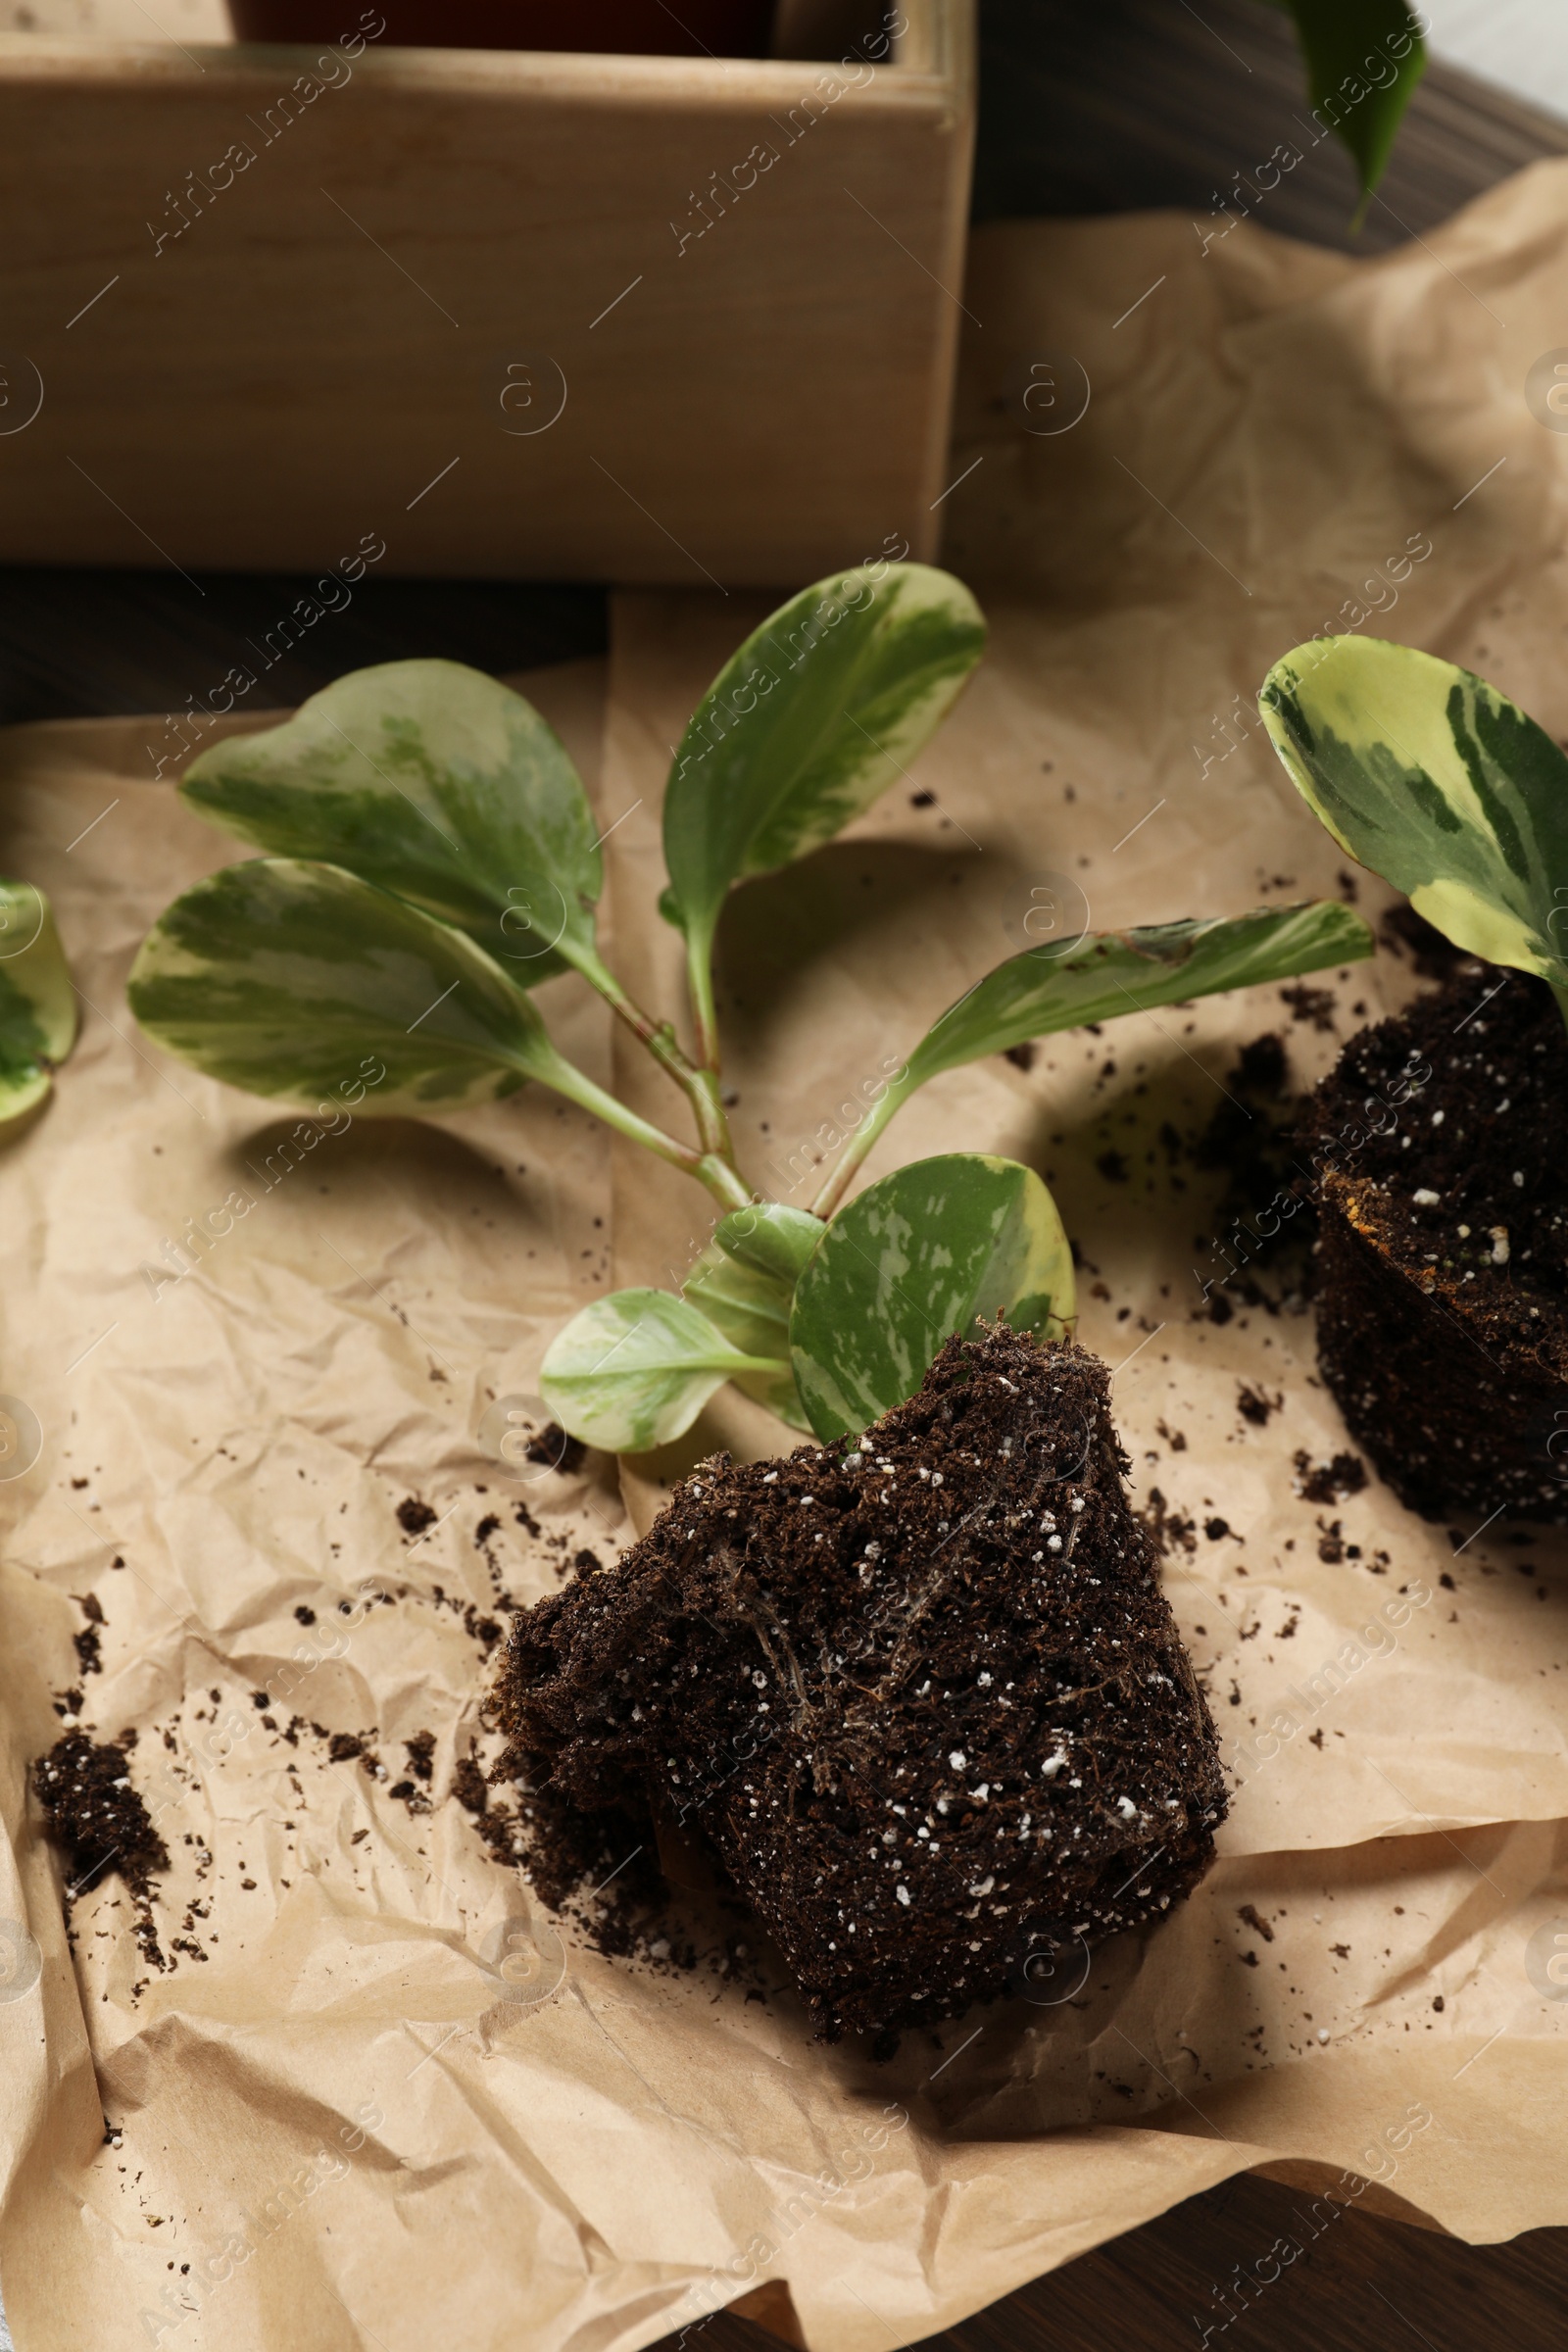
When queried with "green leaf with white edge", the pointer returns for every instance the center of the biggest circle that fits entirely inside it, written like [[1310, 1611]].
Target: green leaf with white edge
[[749, 1298], [37, 1003], [303, 983], [1439, 783], [636, 1368], [1363, 60], [818, 713], [440, 785], [1112, 972], [923, 1254]]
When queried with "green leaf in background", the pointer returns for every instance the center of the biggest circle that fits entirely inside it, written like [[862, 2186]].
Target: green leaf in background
[[913, 1259], [1112, 972], [438, 784], [814, 716], [636, 1368], [744, 1282], [1439, 783], [293, 980], [1363, 60], [37, 1003]]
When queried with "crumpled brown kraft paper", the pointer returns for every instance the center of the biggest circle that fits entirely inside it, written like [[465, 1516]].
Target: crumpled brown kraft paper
[[348, 2119]]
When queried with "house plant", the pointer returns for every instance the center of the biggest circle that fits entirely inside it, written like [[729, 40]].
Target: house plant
[[1436, 1145], [432, 856]]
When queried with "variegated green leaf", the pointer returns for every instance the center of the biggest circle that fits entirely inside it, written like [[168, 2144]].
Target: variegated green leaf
[[438, 784], [1112, 972], [770, 1238], [636, 1368], [744, 1282], [1439, 783], [922, 1254], [37, 1003], [816, 715], [297, 980], [1363, 61]]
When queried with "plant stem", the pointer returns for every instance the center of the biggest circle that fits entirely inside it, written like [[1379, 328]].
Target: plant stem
[[718, 1176], [698, 1086], [713, 1124], [730, 1190], [859, 1143], [700, 985], [1560, 991], [712, 1120]]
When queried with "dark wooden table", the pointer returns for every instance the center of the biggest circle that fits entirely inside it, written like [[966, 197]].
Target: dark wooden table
[[1085, 109], [1366, 2287]]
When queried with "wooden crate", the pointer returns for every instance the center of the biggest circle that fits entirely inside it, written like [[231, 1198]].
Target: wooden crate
[[506, 315]]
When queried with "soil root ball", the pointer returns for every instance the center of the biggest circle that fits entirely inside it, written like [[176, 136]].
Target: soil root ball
[[919, 1693], [1437, 1150]]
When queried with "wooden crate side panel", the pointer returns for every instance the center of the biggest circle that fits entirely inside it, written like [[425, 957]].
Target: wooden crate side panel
[[745, 394]]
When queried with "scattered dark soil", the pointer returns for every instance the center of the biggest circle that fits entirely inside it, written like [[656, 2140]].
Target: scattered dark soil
[[497, 1823], [556, 1450], [95, 1816], [1331, 1481], [1308, 1003], [1167, 1530], [415, 1517], [88, 1644], [496, 1820], [1255, 1404], [920, 1694], [1439, 1146]]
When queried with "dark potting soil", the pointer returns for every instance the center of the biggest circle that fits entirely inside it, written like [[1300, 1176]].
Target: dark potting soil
[[1439, 1154], [95, 1815], [919, 1693]]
